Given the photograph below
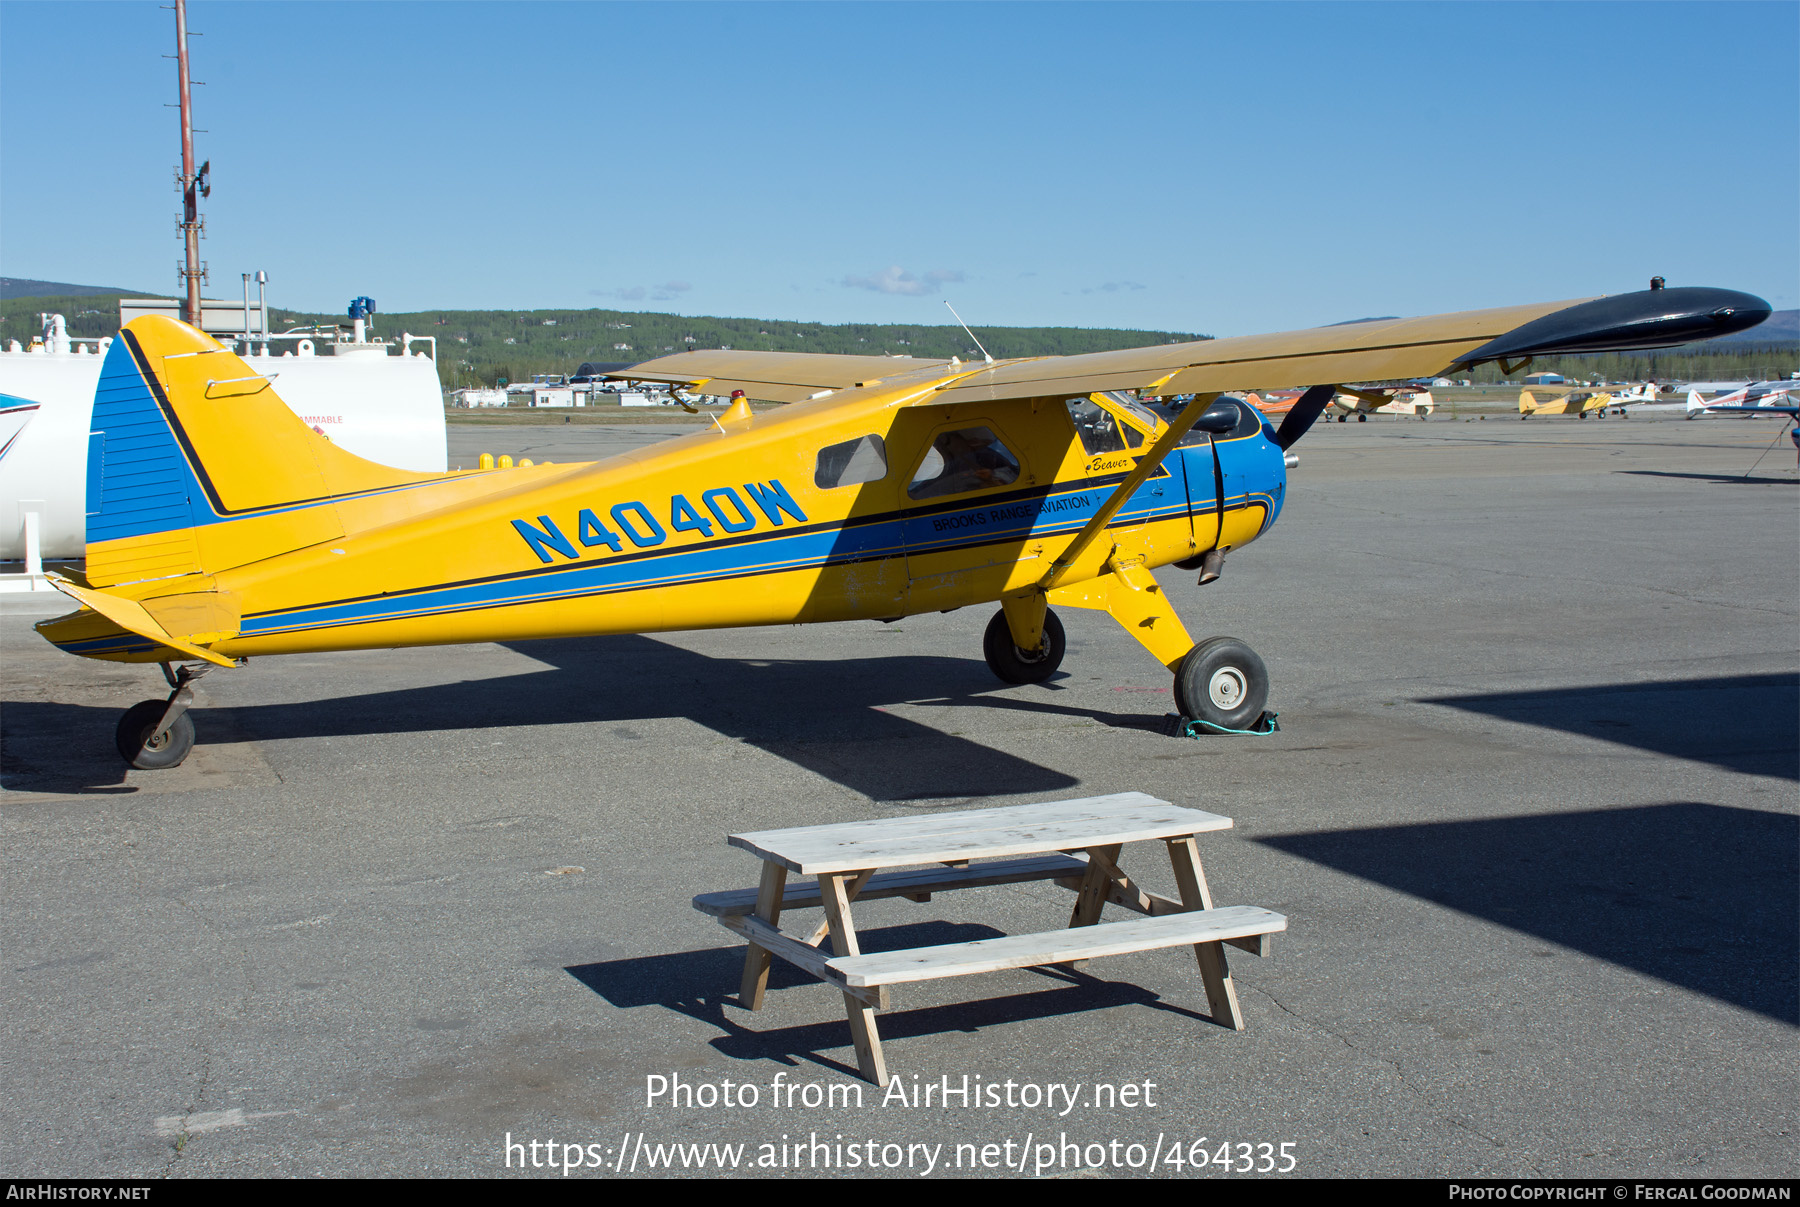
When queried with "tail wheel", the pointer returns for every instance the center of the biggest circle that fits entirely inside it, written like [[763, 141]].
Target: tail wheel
[[1015, 665], [1222, 682], [137, 747]]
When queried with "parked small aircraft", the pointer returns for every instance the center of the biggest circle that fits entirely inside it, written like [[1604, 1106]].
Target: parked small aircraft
[[1763, 398], [1274, 402], [1580, 402], [15, 413], [1410, 399], [1767, 397], [222, 528]]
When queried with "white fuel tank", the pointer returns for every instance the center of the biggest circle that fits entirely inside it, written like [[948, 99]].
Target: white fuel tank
[[386, 408], [383, 408]]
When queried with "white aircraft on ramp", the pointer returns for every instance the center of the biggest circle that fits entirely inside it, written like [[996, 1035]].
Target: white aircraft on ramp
[[1764, 397]]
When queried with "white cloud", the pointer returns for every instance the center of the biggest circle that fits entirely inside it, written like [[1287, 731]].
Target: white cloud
[[898, 281], [1114, 287], [666, 292]]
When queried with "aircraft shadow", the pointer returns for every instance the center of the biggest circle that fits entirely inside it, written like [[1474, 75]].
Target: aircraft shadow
[[1701, 896], [702, 984], [824, 716], [1744, 723], [1722, 479], [1163, 723], [61, 748]]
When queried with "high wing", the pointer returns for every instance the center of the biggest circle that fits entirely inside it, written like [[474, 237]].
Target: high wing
[[772, 376], [1373, 352]]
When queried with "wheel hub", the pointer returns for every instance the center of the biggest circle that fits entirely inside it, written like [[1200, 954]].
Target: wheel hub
[[1226, 688]]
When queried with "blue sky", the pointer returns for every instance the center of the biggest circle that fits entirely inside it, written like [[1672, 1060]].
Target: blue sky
[[1218, 168]]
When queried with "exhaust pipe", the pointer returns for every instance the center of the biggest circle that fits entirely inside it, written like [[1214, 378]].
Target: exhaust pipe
[[1211, 566]]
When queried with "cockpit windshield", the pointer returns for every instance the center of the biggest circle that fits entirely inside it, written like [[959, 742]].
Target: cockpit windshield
[[1131, 406], [1167, 409]]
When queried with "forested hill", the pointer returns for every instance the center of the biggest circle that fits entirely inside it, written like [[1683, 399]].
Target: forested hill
[[481, 346], [478, 347], [25, 287]]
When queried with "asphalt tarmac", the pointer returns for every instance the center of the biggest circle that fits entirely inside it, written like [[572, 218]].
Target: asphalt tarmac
[[1531, 816]]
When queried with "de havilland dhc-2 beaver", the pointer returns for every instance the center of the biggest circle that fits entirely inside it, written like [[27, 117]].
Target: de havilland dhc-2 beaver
[[223, 528]]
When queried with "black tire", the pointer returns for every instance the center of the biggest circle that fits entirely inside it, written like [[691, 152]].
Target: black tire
[[1014, 665], [1361, 418], [139, 721], [1222, 682]]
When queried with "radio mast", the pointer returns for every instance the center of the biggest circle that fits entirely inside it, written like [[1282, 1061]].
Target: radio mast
[[194, 185]]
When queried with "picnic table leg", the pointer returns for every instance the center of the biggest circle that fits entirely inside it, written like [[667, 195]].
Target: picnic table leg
[[1090, 899], [756, 959], [843, 942], [1215, 974]]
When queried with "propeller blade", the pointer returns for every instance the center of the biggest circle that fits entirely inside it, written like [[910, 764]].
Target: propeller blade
[[1305, 410]]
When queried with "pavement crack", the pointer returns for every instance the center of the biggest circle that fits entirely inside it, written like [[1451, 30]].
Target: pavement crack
[[1399, 1072], [220, 936], [181, 1136]]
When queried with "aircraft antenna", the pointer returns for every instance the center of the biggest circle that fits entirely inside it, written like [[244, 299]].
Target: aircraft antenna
[[965, 327]]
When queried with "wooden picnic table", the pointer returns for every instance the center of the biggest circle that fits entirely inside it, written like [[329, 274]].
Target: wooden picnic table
[[1075, 843]]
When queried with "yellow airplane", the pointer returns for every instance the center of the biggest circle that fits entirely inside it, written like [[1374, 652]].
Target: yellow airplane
[[223, 528], [1573, 400]]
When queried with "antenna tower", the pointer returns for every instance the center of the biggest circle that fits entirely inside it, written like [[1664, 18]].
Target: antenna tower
[[194, 185]]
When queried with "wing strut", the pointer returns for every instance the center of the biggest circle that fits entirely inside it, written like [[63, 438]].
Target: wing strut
[[1146, 466]]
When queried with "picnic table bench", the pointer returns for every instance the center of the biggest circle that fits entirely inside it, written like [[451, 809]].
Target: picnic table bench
[[1075, 843]]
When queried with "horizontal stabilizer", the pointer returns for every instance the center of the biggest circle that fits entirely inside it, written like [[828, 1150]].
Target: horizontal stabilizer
[[130, 615]]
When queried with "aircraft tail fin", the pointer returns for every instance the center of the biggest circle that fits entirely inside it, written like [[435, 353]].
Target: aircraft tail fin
[[1527, 404], [1695, 404], [195, 465]]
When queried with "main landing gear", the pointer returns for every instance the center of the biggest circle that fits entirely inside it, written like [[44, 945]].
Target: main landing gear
[[1219, 681], [1015, 665], [155, 734]]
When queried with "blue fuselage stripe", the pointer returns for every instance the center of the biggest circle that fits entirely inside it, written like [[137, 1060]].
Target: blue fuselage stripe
[[1007, 521]]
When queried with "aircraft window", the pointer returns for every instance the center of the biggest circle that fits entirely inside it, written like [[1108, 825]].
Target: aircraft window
[[1167, 409], [1098, 427], [1133, 407], [967, 459], [853, 461], [1250, 420]]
